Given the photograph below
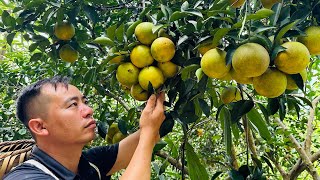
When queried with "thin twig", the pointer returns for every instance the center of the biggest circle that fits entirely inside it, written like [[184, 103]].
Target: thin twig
[[307, 142], [172, 161]]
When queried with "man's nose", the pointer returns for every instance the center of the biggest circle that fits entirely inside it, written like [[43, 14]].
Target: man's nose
[[86, 111]]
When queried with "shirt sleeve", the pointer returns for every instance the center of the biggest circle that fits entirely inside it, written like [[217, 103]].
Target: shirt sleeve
[[103, 157]]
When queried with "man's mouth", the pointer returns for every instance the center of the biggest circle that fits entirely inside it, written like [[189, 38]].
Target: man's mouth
[[91, 124]]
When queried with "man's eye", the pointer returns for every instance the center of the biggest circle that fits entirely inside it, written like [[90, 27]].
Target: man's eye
[[73, 104], [86, 101]]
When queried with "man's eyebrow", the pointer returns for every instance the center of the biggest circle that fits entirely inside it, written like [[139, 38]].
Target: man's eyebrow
[[75, 98]]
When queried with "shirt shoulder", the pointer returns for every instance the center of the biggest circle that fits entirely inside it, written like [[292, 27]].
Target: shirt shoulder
[[27, 171]]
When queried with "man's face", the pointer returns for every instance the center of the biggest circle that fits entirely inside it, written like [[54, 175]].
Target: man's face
[[69, 118]]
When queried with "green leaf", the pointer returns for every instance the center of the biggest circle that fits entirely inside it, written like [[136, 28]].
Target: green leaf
[[298, 80], [219, 35], [111, 31], [264, 111], [235, 131], [305, 100], [204, 107], [48, 14], [256, 119], [120, 33], [260, 14], [91, 13], [194, 12], [88, 77], [33, 46], [156, 28], [60, 14], [132, 27], [160, 145], [273, 105], [122, 124], [285, 28], [196, 169], [186, 71], [282, 109], [164, 11], [215, 175], [276, 51], [103, 41], [10, 38], [166, 126], [184, 6], [7, 20], [177, 15], [36, 57], [240, 108]]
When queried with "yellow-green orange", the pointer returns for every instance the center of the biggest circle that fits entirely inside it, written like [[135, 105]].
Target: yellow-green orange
[[269, 3], [169, 69], [127, 74], [126, 89], [143, 32], [270, 84], [227, 77], [294, 59], [236, 3], [163, 49], [64, 30], [138, 93], [118, 137], [151, 74], [250, 60], [117, 60], [113, 129], [141, 56], [291, 84], [68, 54], [230, 94], [213, 63], [205, 47], [312, 39], [240, 79]]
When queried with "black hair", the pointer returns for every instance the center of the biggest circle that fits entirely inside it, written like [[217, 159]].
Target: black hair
[[31, 92]]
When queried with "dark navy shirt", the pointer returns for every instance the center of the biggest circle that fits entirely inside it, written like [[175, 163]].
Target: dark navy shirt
[[103, 157]]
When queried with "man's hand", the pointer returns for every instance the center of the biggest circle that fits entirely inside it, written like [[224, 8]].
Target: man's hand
[[152, 116], [151, 119]]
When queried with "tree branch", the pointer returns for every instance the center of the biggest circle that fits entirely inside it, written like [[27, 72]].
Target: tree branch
[[117, 98], [301, 166], [307, 142], [283, 173], [172, 161], [301, 151], [234, 161]]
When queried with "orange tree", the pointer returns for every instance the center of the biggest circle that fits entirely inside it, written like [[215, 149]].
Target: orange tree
[[261, 49]]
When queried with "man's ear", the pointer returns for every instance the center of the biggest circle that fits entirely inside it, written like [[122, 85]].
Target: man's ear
[[36, 126]]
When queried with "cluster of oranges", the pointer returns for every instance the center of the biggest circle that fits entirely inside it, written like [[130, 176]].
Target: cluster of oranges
[[150, 62], [65, 31], [251, 64]]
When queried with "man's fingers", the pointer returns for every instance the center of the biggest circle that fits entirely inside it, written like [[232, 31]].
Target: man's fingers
[[161, 97], [151, 102]]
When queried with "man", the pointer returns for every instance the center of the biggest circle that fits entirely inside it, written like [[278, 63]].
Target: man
[[61, 122]]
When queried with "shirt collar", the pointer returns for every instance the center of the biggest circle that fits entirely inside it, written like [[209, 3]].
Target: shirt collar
[[58, 169]]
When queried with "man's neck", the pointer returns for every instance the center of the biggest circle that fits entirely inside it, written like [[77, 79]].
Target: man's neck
[[67, 155]]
